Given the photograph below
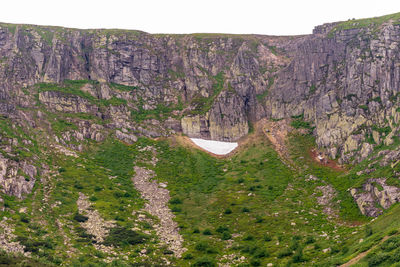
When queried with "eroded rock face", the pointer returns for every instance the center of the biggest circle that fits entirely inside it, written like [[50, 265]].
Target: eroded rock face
[[163, 69], [196, 126], [125, 137], [67, 103], [12, 181], [227, 121], [345, 82], [374, 196]]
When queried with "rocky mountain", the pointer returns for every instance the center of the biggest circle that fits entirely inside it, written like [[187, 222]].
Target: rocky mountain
[[101, 103]]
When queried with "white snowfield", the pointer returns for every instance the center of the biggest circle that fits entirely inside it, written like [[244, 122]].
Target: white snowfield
[[215, 147]]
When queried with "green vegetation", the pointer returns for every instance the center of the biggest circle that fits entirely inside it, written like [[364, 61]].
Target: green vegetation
[[273, 50], [203, 104], [17, 260], [341, 181], [253, 207], [70, 87], [298, 122], [62, 125], [122, 87], [176, 74], [261, 97], [313, 88], [249, 201], [121, 236], [161, 112], [385, 130], [373, 23]]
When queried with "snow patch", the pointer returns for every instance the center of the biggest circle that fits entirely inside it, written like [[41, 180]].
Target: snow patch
[[215, 147]]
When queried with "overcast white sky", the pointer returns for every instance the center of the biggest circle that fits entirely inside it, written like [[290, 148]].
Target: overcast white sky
[[272, 17]]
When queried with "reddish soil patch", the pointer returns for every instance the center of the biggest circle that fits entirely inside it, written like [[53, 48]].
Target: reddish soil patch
[[323, 160]]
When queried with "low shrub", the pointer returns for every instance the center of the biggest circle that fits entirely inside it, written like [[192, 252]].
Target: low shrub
[[207, 232], [248, 238], [201, 246], [309, 240], [187, 256], [80, 218], [228, 211], [226, 235], [205, 262], [120, 236], [175, 201], [267, 238], [284, 253], [221, 229]]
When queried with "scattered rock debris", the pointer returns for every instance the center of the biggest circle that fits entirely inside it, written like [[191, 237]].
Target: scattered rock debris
[[326, 200], [158, 197], [95, 225]]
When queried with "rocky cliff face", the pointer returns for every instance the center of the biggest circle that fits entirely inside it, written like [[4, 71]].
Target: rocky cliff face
[[344, 79], [375, 196], [215, 78]]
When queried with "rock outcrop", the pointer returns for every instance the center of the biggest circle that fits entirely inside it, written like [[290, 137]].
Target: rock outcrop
[[16, 178], [60, 102], [374, 196], [344, 79]]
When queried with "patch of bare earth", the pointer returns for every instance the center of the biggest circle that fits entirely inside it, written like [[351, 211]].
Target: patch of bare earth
[[157, 205], [324, 160], [277, 132]]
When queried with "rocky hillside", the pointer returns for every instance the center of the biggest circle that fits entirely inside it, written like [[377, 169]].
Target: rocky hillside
[[343, 79], [93, 158]]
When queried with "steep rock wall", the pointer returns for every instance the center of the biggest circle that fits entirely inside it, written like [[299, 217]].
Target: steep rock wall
[[344, 80]]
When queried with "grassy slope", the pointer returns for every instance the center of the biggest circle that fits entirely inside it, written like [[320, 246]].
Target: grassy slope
[[248, 197], [250, 205]]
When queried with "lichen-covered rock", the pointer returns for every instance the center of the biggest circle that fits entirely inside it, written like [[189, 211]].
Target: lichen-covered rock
[[226, 118], [125, 137], [12, 182], [195, 126], [344, 81], [68, 103], [374, 196]]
